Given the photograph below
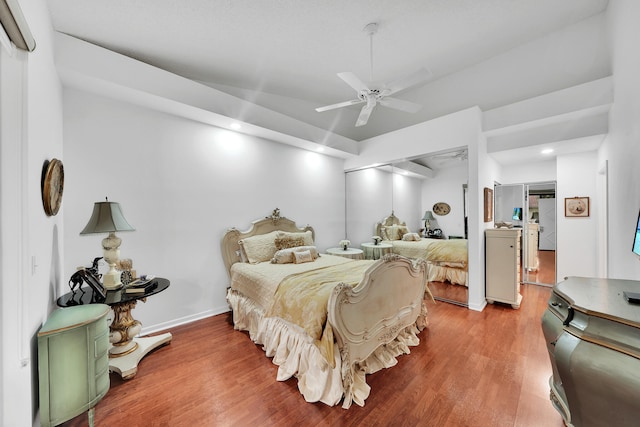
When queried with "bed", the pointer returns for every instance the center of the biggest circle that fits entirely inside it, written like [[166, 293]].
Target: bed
[[374, 310], [447, 259]]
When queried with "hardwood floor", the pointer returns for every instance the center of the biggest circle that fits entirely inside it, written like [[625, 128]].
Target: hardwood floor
[[546, 272], [471, 368], [449, 291]]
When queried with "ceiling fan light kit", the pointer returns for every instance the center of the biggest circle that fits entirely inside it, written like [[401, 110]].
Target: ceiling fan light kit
[[371, 95]]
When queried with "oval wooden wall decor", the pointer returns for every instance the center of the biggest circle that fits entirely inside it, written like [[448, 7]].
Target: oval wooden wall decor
[[441, 208], [52, 187]]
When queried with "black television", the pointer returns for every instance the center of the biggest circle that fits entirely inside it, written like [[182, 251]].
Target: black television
[[636, 239], [517, 214]]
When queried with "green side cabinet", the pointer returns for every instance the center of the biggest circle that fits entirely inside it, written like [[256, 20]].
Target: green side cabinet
[[73, 362]]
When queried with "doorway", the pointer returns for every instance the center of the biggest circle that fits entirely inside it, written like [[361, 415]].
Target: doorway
[[540, 234], [532, 208]]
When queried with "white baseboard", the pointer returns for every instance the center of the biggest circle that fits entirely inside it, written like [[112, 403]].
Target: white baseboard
[[152, 329]]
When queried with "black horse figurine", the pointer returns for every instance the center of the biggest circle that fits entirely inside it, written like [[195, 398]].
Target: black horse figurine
[[94, 268], [90, 276]]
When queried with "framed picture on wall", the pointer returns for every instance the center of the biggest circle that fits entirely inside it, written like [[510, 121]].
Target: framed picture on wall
[[576, 206], [488, 204]]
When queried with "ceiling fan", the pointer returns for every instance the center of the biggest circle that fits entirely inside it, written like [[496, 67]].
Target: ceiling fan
[[374, 94]]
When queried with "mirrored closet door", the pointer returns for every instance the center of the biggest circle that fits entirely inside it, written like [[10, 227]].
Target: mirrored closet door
[[531, 207], [373, 194]]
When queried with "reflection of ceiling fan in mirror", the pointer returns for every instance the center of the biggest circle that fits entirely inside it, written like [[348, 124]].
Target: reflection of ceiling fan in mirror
[[376, 93], [460, 155]]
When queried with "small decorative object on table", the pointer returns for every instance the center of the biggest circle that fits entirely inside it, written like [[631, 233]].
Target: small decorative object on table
[[143, 284], [128, 274], [376, 240], [345, 244], [84, 275]]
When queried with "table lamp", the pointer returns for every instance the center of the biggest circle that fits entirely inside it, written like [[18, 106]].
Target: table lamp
[[107, 217], [427, 218]]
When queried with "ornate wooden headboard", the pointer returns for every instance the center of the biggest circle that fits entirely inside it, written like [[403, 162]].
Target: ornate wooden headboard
[[274, 222], [388, 221]]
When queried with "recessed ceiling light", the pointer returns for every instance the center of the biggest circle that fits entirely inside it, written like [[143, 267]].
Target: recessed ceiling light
[[235, 126], [547, 151]]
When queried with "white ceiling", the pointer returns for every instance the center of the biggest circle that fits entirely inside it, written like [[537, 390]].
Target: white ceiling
[[284, 54]]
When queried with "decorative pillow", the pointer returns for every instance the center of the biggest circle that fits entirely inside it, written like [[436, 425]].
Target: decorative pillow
[[394, 232], [302, 256], [259, 248], [286, 256], [306, 235], [411, 237], [285, 242]]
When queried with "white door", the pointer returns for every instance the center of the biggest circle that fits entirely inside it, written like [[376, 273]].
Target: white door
[[547, 220]]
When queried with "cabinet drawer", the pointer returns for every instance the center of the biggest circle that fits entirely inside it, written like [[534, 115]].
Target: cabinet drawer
[[102, 384], [102, 363], [101, 345]]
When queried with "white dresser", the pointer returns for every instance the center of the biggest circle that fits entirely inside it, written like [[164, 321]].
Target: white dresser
[[502, 266]]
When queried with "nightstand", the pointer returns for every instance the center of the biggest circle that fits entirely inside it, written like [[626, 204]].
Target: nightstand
[[126, 350], [373, 251]]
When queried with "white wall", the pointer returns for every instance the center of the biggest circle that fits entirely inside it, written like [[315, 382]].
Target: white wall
[[31, 114], [446, 187], [622, 148], [369, 200], [528, 172], [182, 184], [482, 174], [577, 236], [443, 133]]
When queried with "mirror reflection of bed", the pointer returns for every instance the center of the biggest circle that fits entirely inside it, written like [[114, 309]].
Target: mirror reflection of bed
[[447, 260], [372, 194]]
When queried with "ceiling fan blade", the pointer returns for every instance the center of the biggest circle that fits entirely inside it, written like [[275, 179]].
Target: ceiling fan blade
[[353, 81], [399, 104], [420, 76], [363, 118], [339, 105]]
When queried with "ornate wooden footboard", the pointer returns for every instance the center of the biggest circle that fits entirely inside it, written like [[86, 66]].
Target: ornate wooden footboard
[[374, 313]]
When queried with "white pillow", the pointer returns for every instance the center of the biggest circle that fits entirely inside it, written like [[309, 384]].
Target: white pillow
[[302, 256], [259, 248], [286, 256], [411, 237]]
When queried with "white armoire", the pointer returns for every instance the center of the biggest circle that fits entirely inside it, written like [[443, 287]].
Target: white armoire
[[502, 266]]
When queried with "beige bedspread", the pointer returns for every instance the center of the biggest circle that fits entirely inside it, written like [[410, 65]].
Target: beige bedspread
[[302, 299], [260, 281], [444, 252]]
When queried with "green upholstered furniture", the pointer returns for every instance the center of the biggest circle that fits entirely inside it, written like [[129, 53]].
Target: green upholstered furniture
[[593, 339], [73, 362]]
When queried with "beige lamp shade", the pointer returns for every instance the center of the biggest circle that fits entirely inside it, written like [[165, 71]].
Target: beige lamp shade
[[428, 216], [106, 217]]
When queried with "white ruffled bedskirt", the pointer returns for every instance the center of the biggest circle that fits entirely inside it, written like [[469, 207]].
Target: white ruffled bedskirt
[[295, 354], [457, 276]]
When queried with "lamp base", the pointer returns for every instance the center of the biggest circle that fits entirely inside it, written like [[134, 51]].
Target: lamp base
[[111, 280]]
